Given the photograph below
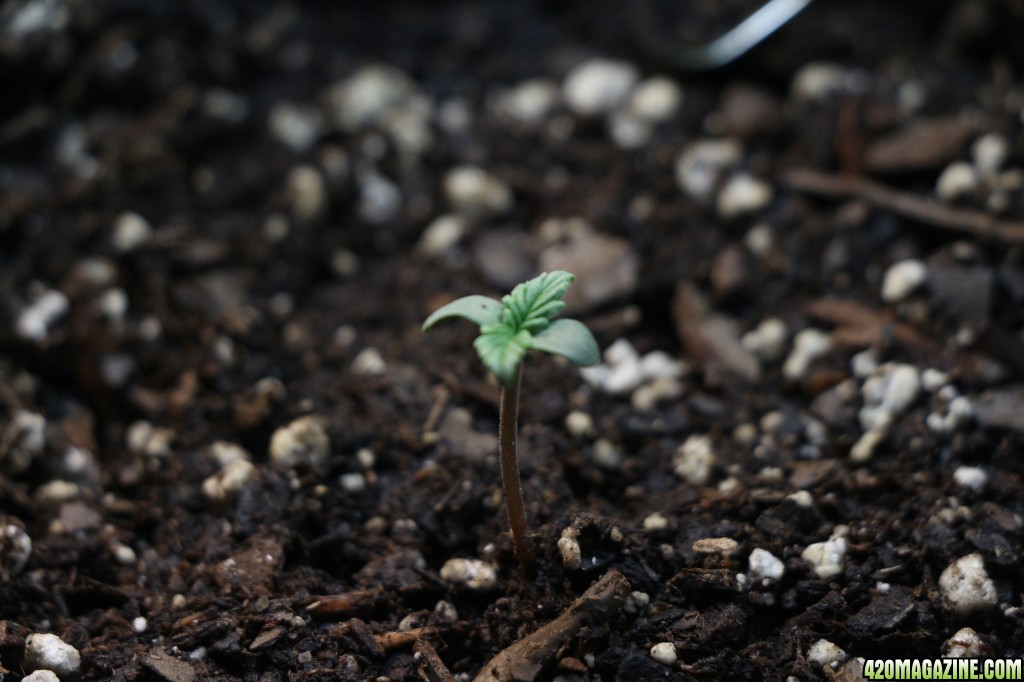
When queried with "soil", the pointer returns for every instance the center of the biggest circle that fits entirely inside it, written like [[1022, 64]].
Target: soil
[[204, 238]]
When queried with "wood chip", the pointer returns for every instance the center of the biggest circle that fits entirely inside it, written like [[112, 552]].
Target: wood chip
[[429, 665], [524, 660], [924, 145], [710, 337], [860, 326], [169, 668], [343, 605], [926, 211]]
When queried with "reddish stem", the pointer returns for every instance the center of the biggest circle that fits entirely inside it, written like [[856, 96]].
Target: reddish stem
[[507, 428]]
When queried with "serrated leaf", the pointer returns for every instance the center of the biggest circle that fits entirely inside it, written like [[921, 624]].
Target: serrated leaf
[[571, 339], [480, 310], [523, 321], [501, 349], [532, 305]]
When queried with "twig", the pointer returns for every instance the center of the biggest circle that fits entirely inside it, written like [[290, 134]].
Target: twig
[[401, 638], [345, 604], [976, 223], [524, 660], [859, 326], [429, 665]]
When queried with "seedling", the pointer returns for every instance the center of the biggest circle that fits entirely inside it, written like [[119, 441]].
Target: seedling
[[522, 321]]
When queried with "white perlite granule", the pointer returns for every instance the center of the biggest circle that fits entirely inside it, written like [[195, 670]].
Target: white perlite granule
[[50, 652]]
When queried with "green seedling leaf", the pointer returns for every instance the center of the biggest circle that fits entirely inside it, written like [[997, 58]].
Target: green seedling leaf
[[480, 310], [570, 339], [521, 322], [501, 349], [532, 305]]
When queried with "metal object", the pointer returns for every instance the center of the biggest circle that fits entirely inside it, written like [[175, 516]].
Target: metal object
[[734, 44]]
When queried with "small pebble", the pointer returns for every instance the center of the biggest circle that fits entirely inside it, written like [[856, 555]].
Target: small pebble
[[27, 437], [659, 390], [34, 321], [224, 452], [474, 574], [41, 676], [801, 498], [598, 86], [624, 371], [826, 557], [637, 602], [368, 96], [702, 163], [628, 131], [888, 393], [959, 413], [15, 548], [768, 340], [809, 345], [80, 466], [529, 103], [824, 652], [345, 264], [864, 363], [664, 653], [99, 272], [226, 484], [307, 193], [276, 227], [818, 81], [143, 438], [660, 365], [295, 126], [971, 478], [113, 305], [139, 625], [446, 611], [966, 643], [722, 546], [303, 441], [932, 379], [442, 235], [124, 555], [50, 652], [352, 482], [474, 192], [224, 105], [131, 231], [606, 454], [56, 492], [990, 152], [966, 587], [656, 99], [902, 279], [380, 200], [569, 548], [765, 567], [620, 371], [694, 460], [655, 522], [579, 423], [369, 363], [958, 181], [759, 240], [743, 194], [864, 449]]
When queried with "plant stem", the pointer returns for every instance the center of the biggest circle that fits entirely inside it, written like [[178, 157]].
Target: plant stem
[[507, 428]]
